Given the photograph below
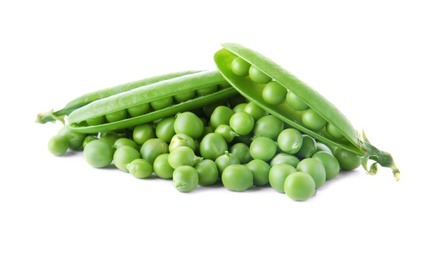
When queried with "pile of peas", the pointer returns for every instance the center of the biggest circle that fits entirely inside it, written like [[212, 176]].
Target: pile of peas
[[233, 142]]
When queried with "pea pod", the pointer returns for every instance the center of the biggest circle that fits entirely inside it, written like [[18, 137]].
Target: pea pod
[[148, 94], [271, 72], [51, 116]]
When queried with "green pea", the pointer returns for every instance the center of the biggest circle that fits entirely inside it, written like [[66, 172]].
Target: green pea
[[164, 130], [277, 176], [331, 164], [333, 131], [295, 102], [88, 139], [240, 67], [263, 148], [348, 161], [313, 120], [221, 116], [184, 96], [226, 159], [315, 168], [190, 124], [290, 140], [242, 151], [237, 177], [140, 168], [125, 141], [117, 116], [323, 147], [283, 158], [162, 168], [299, 186], [138, 110], [260, 170], [75, 139], [96, 120], [242, 123], [185, 178], [268, 126], [58, 145], [212, 146], [123, 156], [239, 107], [109, 138], [182, 155], [152, 148], [308, 147], [162, 103], [274, 93], [98, 153], [254, 110], [226, 132], [143, 132], [182, 140], [208, 173], [258, 76], [207, 90]]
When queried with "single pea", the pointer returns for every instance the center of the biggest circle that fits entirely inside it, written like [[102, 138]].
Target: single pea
[[312, 120], [240, 67], [274, 93], [58, 145], [348, 161], [182, 140], [138, 110], [109, 138], [237, 177], [239, 107], [299, 186], [258, 76], [295, 102], [263, 148], [162, 168], [242, 123], [323, 147], [140, 168], [185, 178], [116, 116], [333, 131], [212, 146], [98, 153], [125, 141], [315, 168], [226, 132], [283, 158], [268, 126], [221, 116], [260, 170], [207, 90], [331, 164], [164, 130], [182, 155], [96, 120], [290, 140], [224, 160], [278, 174], [75, 139], [123, 156], [184, 96], [162, 103], [88, 139], [152, 148], [143, 132], [308, 147], [208, 173], [190, 124], [255, 111], [242, 151]]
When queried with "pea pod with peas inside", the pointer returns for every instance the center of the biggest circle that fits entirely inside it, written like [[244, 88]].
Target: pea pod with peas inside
[[283, 95], [51, 116], [160, 99]]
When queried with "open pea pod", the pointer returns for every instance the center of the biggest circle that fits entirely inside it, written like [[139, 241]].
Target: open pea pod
[[349, 138], [78, 119]]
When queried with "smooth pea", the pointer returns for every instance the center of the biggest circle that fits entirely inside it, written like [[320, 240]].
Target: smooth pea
[[140, 168], [277, 176], [242, 151], [268, 126], [152, 148], [242, 123], [123, 156], [185, 178], [258, 76], [212, 146], [315, 168], [116, 116], [137, 110], [283, 158], [290, 140], [295, 102], [226, 132], [299, 186], [182, 155], [331, 164], [348, 161], [58, 145], [161, 103], [75, 139], [190, 124], [125, 141], [237, 177], [225, 160], [263, 148], [274, 93], [143, 132], [254, 110], [182, 140], [162, 168], [221, 116], [312, 120], [260, 170], [164, 130], [98, 153], [240, 67], [308, 147], [208, 173]]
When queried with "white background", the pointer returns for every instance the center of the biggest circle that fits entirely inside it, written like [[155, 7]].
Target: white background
[[370, 58]]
